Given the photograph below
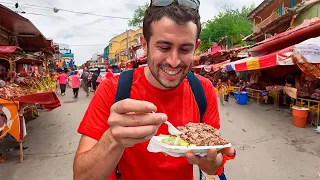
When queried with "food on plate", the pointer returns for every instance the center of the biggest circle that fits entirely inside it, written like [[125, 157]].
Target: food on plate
[[175, 141], [196, 134]]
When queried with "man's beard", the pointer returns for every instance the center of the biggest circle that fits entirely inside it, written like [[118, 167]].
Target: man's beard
[[155, 71]]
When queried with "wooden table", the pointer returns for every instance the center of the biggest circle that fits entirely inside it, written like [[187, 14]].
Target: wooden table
[[253, 93], [276, 97], [233, 89]]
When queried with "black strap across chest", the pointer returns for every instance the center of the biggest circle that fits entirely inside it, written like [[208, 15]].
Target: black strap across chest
[[124, 92]]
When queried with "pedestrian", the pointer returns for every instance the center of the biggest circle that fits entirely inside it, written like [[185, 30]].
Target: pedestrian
[[85, 81], [94, 79], [62, 80], [75, 83], [116, 130]]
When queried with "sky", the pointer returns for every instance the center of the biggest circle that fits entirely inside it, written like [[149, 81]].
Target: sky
[[87, 34]]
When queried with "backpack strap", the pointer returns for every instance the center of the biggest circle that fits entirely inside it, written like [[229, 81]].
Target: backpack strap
[[123, 92], [124, 85], [198, 93], [200, 97]]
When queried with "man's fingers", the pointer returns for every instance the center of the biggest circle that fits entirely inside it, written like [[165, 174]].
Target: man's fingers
[[129, 142], [227, 151], [131, 105], [134, 132], [192, 159], [134, 119], [211, 155]]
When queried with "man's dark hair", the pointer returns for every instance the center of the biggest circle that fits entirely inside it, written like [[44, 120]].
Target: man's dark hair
[[180, 14]]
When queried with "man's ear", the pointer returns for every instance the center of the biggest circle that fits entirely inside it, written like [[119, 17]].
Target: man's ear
[[144, 45]]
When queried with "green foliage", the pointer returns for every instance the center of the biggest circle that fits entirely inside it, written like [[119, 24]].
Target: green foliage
[[233, 23], [138, 16]]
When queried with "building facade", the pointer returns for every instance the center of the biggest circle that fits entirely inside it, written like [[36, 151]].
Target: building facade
[[119, 46], [276, 16]]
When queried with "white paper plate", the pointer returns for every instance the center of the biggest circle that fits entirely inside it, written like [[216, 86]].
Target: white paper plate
[[184, 149]]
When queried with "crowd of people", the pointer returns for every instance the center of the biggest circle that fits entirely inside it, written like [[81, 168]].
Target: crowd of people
[[75, 79]]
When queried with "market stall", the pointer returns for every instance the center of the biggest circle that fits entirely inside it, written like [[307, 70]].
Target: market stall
[[23, 86]]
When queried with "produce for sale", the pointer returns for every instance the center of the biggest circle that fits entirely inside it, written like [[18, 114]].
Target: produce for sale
[[25, 86], [10, 91], [43, 84], [196, 134]]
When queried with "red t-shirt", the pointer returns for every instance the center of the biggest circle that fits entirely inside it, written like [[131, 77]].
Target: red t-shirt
[[180, 106]]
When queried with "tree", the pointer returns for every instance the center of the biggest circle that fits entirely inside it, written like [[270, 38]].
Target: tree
[[233, 23], [138, 16]]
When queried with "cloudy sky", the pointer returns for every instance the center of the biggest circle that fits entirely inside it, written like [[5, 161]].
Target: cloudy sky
[[87, 34]]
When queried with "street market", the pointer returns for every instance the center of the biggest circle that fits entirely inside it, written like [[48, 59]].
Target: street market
[[262, 86]]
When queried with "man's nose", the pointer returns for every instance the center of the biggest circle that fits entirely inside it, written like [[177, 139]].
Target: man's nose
[[173, 59]]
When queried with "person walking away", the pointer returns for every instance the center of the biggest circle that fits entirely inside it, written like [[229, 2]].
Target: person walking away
[[94, 79], [128, 110], [223, 86], [63, 79], [85, 81], [75, 79]]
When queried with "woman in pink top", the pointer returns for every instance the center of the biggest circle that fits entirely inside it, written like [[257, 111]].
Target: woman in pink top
[[62, 79], [75, 84]]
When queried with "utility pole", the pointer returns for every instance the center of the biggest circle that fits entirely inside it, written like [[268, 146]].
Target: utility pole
[[128, 45]]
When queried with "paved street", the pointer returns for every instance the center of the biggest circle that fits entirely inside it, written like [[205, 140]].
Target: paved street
[[269, 147]]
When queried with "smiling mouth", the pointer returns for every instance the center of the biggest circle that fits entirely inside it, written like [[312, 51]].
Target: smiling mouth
[[171, 73]]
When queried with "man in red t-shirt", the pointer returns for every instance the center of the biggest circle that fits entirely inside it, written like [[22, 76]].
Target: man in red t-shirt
[[118, 133]]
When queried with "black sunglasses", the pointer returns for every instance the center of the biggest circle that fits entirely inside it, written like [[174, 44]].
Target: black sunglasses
[[194, 4]]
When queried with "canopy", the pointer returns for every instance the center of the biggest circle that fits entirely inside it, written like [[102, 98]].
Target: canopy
[[309, 29], [282, 57], [7, 49], [309, 50], [199, 67], [216, 67]]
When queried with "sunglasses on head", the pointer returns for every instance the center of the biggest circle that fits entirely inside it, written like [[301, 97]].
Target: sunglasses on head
[[194, 4]]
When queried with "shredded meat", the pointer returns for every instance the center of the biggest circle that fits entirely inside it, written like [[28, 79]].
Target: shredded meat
[[201, 134]]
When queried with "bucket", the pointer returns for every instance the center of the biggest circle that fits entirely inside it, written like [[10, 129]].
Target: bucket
[[299, 116], [242, 98]]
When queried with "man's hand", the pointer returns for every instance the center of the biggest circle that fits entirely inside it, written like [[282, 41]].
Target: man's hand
[[132, 122], [211, 162]]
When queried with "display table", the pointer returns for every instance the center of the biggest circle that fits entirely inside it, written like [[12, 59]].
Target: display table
[[275, 96], [233, 89], [253, 93], [14, 122]]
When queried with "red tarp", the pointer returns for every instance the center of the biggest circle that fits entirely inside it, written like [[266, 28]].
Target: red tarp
[[309, 29], [48, 100], [7, 49]]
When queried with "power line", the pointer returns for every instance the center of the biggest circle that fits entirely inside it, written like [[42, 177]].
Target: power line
[[66, 10], [89, 44], [23, 12]]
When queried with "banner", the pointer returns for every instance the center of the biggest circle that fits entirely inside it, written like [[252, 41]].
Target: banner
[[9, 119]]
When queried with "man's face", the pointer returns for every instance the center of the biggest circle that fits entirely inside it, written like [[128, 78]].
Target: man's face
[[170, 52]]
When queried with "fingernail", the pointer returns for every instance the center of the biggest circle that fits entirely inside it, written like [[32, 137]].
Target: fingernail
[[164, 117], [150, 107]]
